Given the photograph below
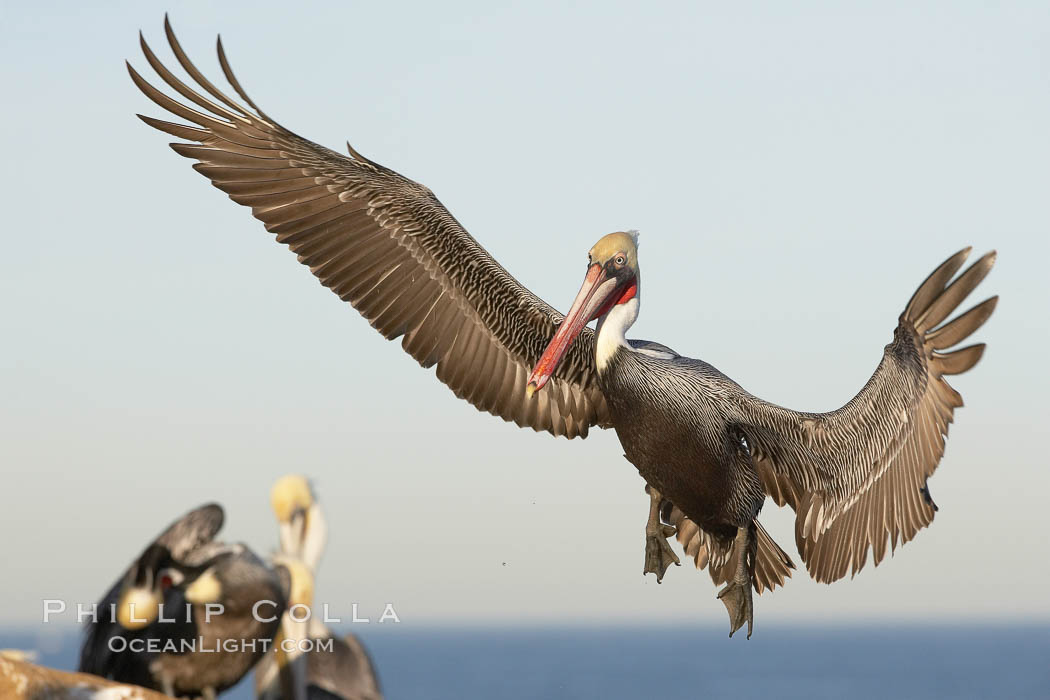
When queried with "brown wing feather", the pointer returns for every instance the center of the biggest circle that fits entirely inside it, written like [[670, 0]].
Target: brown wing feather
[[387, 246], [856, 477]]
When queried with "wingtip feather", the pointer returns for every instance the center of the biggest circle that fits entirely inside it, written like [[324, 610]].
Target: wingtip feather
[[934, 284], [959, 361]]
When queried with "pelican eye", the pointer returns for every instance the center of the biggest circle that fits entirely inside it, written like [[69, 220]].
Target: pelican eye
[[742, 442], [167, 578], [620, 261]]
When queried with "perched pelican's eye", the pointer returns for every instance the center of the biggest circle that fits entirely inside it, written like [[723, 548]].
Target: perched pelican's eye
[[620, 260]]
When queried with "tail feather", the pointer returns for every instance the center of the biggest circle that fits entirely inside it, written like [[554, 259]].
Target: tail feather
[[772, 564]]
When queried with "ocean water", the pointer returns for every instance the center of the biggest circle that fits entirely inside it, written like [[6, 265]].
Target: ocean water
[[854, 662]]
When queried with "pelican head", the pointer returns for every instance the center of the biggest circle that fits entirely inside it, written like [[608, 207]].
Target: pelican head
[[301, 526], [143, 593], [612, 278]]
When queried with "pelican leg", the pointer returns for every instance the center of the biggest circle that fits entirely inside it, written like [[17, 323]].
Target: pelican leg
[[658, 554], [736, 595]]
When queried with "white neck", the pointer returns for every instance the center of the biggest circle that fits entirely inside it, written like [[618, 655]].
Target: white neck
[[612, 329]]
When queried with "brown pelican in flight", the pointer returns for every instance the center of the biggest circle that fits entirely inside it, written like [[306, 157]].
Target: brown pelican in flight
[[709, 451], [326, 667], [153, 627]]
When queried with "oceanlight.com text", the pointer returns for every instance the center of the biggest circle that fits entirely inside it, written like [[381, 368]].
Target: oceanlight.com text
[[200, 645]]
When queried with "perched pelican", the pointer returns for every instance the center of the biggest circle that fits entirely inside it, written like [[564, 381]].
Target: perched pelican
[[329, 667], [710, 452], [161, 604]]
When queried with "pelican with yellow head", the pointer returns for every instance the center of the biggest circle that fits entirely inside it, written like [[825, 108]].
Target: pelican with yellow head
[[308, 660]]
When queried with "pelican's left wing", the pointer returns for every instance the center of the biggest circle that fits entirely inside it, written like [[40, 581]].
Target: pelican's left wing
[[856, 477], [386, 245]]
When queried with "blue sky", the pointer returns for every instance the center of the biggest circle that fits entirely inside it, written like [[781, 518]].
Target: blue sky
[[795, 171]]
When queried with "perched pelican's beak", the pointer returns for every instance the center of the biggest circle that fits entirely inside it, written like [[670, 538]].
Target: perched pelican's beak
[[291, 663], [591, 302], [314, 536], [291, 532]]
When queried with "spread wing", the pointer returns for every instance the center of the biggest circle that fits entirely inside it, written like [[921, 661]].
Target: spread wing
[[386, 245], [856, 477]]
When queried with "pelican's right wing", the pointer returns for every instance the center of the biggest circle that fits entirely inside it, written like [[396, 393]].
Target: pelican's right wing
[[386, 245]]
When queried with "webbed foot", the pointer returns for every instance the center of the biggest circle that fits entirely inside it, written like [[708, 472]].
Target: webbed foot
[[658, 553], [737, 598]]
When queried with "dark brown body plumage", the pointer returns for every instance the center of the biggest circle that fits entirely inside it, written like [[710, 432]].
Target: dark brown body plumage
[[670, 418], [214, 664]]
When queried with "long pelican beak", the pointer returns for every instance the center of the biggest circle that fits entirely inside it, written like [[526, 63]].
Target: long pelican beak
[[293, 503], [292, 662], [292, 530], [597, 287], [314, 537]]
